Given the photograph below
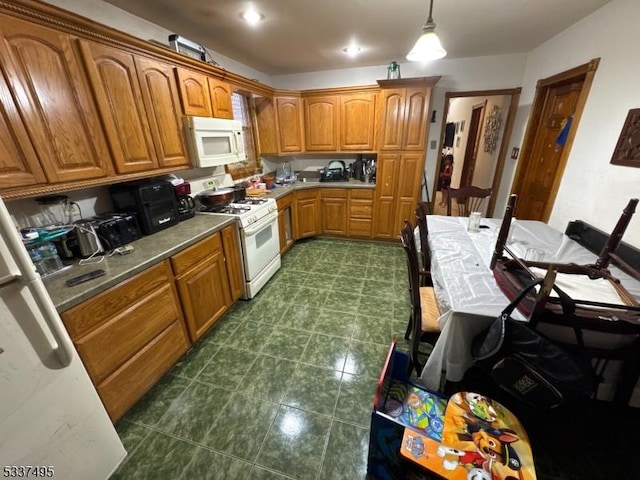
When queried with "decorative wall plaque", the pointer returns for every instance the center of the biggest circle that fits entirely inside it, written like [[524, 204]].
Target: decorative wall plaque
[[627, 151], [492, 129]]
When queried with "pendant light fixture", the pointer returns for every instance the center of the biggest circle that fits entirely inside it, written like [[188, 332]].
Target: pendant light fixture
[[428, 46]]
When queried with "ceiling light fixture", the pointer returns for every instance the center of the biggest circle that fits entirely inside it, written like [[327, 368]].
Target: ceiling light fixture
[[352, 50], [428, 46], [252, 17]]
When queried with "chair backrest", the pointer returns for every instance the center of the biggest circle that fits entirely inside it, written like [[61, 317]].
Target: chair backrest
[[468, 199], [409, 245], [503, 234], [423, 231]]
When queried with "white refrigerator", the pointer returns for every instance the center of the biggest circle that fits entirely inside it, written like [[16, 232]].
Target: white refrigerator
[[51, 417]]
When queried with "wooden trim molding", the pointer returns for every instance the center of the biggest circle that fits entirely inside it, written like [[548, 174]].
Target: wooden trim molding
[[409, 82]]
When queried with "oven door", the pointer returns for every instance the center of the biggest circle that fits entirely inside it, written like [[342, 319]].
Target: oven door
[[260, 244]]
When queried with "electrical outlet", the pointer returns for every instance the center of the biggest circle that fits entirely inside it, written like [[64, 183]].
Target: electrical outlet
[[515, 152]]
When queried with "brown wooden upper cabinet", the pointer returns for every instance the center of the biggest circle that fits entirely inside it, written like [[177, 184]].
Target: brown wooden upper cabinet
[[194, 93], [160, 95], [357, 121], [54, 102], [266, 125], [289, 124], [220, 93], [404, 118], [113, 76], [321, 122]]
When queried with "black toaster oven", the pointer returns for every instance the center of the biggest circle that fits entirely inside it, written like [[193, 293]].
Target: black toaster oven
[[117, 229], [153, 200]]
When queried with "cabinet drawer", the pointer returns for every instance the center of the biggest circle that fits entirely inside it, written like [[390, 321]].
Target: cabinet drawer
[[310, 194], [90, 314], [361, 209], [333, 193], [365, 194], [109, 346], [191, 256], [359, 227], [127, 384], [284, 202]]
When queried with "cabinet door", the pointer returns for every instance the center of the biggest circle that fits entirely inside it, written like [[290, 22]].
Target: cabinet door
[[160, 95], [55, 102], [289, 118], [19, 165], [384, 211], [407, 188], [204, 294], [321, 124], [307, 213], [415, 119], [233, 261], [357, 121], [266, 125], [391, 126], [194, 93], [115, 84], [220, 93], [334, 216]]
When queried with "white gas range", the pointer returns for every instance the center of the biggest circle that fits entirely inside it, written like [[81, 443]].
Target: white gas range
[[259, 238]]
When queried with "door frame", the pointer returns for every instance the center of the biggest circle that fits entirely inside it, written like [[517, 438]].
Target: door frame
[[504, 145], [473, 142], [584, 73]]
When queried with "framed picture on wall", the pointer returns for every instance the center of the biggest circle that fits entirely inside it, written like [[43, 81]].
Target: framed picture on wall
[[627, 151]]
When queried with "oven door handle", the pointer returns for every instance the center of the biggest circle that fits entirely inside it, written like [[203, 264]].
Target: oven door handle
[[256, 227]]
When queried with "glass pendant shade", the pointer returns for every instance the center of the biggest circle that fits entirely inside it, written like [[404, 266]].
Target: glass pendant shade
[[428, 46]]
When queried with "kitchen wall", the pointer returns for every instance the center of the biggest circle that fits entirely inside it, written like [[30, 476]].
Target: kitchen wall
[[592, 189]]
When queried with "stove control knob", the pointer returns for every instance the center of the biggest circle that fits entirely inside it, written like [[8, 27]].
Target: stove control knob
[[253, 219]]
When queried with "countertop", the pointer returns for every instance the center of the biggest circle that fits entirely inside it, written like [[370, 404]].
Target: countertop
[[280, 191], [148, 251]]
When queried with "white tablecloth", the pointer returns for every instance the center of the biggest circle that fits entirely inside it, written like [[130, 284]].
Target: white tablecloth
[[467, 291]]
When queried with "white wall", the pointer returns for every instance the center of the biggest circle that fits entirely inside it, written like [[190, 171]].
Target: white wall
[[592, 189]]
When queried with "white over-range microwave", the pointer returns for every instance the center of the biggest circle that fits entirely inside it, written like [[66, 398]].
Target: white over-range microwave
[[215, 141]]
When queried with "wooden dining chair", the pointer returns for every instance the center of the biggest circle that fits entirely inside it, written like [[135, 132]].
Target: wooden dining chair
[[423, 319], [468, 199], [425, 254]]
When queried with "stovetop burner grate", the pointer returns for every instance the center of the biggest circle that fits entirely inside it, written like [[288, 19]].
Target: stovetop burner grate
[[229, 209]]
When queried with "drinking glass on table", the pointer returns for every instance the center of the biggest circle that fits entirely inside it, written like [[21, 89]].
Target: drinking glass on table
[[474, 222], [534, 254]]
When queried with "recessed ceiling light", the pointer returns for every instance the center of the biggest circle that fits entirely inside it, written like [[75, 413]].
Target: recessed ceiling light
[[252, 17], [352, 50]]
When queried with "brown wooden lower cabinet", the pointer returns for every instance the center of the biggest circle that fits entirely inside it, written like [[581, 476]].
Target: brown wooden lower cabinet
[[129, 336], [360, 213], [285, 222], [233, 261], [307, 213], [203, 284], [334, 211]]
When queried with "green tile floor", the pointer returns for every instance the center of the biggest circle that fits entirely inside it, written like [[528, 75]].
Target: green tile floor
[[282, 385]]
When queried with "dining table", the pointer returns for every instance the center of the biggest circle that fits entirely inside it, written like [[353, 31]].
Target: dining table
[[468, 295]]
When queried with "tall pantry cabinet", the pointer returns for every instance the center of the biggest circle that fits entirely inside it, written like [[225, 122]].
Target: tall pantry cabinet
[[402, 141]]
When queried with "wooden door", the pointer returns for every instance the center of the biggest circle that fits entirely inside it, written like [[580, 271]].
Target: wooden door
[[54, 100], [289, 124], [542, 171], [19, 164], [160, 95], [473, 143], [117, 90], [204, 293], [392, 123], [220, 93], [415, 119], [194, 93], [321, 124], [384, 210], [357, 121], [233, 261]]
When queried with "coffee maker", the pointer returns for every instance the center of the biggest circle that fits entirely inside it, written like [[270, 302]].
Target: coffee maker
[[186, 205]]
